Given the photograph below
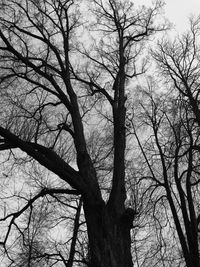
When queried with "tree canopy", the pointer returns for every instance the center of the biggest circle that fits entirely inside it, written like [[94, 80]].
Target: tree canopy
[[99, 150]]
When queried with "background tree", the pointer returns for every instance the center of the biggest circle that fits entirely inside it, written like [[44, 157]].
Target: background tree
[[52, 98], [179, 61], [170, 146], [171, 175]]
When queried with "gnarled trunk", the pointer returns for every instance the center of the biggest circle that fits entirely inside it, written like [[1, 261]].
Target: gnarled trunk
[[109, 236]]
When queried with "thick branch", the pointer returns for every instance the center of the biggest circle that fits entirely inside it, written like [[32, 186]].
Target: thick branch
[[46, 157]]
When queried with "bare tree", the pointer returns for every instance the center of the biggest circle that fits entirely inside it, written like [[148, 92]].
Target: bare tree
[[171, 175], [179, 63], [51, 97]]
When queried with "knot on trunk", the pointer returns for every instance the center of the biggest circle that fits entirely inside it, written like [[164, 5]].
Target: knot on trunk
[[127, 218]]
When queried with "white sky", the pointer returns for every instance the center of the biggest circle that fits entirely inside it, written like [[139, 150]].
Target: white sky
[[178, 11]]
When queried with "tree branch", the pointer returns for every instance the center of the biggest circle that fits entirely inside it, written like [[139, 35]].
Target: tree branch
[[46, 157]]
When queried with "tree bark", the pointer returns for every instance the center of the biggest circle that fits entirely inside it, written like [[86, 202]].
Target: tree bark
[[109, 236]]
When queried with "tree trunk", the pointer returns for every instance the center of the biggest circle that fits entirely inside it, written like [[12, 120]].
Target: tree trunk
[[109, 236]]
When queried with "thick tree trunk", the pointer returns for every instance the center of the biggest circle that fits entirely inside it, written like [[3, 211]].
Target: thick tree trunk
[[109, 236]]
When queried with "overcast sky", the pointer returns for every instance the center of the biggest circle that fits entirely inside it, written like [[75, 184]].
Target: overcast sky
[[178, 11]]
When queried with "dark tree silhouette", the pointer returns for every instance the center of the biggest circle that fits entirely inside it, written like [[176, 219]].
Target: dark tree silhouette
[[59, 83], [179, 62], [170, 173], [171, 153]]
